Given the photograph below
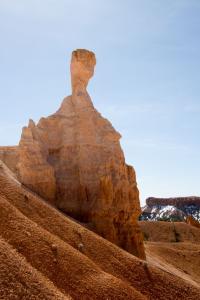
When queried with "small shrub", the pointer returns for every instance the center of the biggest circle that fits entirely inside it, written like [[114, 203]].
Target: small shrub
[[145, 236]]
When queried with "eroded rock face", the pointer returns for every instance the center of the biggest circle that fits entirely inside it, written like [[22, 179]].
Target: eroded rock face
[[73, 158], [9, 155], [171, 209], [176, 201]]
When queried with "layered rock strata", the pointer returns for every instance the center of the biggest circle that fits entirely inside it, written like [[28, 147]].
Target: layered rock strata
[[171, 209], [176, 201]]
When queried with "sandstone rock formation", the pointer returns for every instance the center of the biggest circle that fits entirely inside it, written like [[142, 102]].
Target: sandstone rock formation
[[178, 201], [9, 155], [171, 209], [74, 160], [191, 221]]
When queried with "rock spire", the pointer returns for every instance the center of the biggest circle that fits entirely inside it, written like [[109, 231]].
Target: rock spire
[[73, 159]]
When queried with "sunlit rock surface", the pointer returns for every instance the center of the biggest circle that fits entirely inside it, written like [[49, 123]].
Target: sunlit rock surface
[[73, 159]]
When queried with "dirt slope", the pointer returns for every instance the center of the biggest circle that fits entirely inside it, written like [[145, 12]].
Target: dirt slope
[[19, 280], [174, 247], [73, 260], [180, 258], [158, 231]]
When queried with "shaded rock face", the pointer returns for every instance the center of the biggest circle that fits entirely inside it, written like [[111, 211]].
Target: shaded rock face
[[9, 155], [74, 160], [171, 209]]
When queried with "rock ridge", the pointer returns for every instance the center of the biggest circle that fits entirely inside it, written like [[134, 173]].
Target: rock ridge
[[175, 201]]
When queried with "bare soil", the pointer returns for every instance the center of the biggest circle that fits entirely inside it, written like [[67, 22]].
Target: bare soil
[[46, 255]]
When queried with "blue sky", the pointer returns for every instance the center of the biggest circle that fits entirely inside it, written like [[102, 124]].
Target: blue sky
[[147, 78]]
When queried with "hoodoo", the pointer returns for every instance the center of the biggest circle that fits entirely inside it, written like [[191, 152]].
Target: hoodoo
[[73, 159]]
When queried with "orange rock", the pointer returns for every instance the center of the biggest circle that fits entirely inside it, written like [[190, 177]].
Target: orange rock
[[9, 155], [73, 158], [191, 221]]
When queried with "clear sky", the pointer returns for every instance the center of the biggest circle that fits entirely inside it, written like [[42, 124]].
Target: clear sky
[[147, 78]]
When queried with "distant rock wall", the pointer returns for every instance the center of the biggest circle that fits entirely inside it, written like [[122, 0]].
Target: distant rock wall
[[171, 209], [178, 202]]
